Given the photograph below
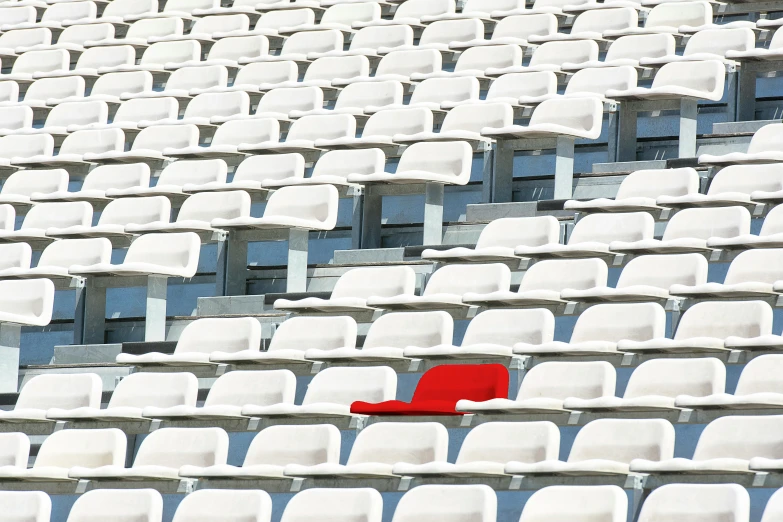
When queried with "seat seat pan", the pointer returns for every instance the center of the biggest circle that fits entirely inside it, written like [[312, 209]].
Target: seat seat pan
[[719, 290], [164, 359], [763, 342], [554, 250], [688, 466], [225, 471], [315, 304], [321, 409], [39, 474], [644, 403], [728, 401], [636, 204], [493, 406], [561, 348], [448, 469], [470, 255], [628, 294], [424, 407], [528, 298], [657, 246], [557, 467], [417, 302], [254, 356], [120, 473], [191, 412], [458, 352], [741, 158], [121, 413], [354, 354], [664, 345], [363, 470]]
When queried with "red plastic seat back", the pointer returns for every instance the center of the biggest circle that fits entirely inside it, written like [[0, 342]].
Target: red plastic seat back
[[475, 382]]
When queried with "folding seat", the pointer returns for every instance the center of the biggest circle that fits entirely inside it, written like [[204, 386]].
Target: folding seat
[[228, 52], [704, 327], [447, 504], [640, 190], [689, 230], [230, 393], [204, 108], [275, 447], [398, 66], [726, 445], [594, 82], [131, 395], [31, 64], [439, 34], [27, 303], [149, 145], [269, 23], [764, 147], [161, 57], [629, 50], [550, 56], [253, 171], [34, 506], [170, 255], [474, 61], [381, 127], [303, 133], [227, 505], [75, 147], [93, 59], [198, 210], [163, 452], [591, 24], [210, 28], [18, 147], [121, 505], [11, 17], [514, 30], [493, 332], [15, 256], [112, 87], [432, 92], [53, 391], [344, 17], [17, 41], [478, 9], [498, 240], [332, 391], [15, 454], [179, 8], [184, 80], [65, 117], [509, 88], [390, 334], [279, 103], [439, 389], [116, 10], [654, 385], [411, 13], [607, 328], [368, 40], [592, 234], [679, 502], [768, 237], [139, 32], [48, 215], [131, 112], [710, 44], [299, 46], [465, 122], [547, 385], [326, 71], [670, 17], [356, 96], [199, 339], [700, 80], [757, 388], [59, 256], [60, 14], [607, 447], [647, 278], [63, 450], [40, 92], [354, 287], [9, 93], [555, 7], [752, 274], [382, 446], [543, 283], [772, 52], [250, 76], [577, 504], [334, 167], [487, 448], [20, 185], [311, 505], [447, 287], [97, 182]]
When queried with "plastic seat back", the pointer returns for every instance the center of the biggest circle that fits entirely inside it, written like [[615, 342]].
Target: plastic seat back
[[561, 380], [260, 388], [346, 385], [673, 377], [83, 448], [721, 319], [162, 390], [120, 505], [474, 382], [375, 281], [461, 279], [617, 322], [622, 440], [402, 329], [393, 442], [322, 333], [306, 445]]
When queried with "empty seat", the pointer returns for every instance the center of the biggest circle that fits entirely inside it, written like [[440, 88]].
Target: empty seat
[[752, 274], [382, 446], [547, 385], [48, 215], [493, 332], [254, 171], [53, 90], [196, 212], [17, 148], [629, 50], [15, 118], [160, 57], [592, 234], [64, 450], [132, 394], [27, 302], [294, 337], [439, 389], [184, 82], [149, 145], [440, 33], [342, 16], [550, 56], [354, 287], [543, 283], [139, 505], [299, 46], [727, 444], [208, 108], [16, 16], [705, 326], [174, 176], [678, 503], [163, 452], [134, 111], [356, 96], [734, 185], [478, 9], [117, 215], [276, 447], [381, 127], [569, 117], [607, 328], [487, 448], [668, 17], [113, 87], [641, 189], [647, 278], [19, 186], [656, 383], [15, 256], [399, 66], [433, 92], [607, 447], [412, 12], [689, 230], [577, 504], [230, 393], [59, 256], [448, 285], [67, 117], [34, 62], [591, 24], [698, 80], [334, 167], [77, 146], [34, 506], [768, 236], [764, 147], [390, 334], [498, 240], [94, 58], [332, 391], [325, 71], [139, 32], [465, 122], [279, 103], [228, 505], [304, 132], [368, 40], [228, 138], [54, 391], [447, 504], [98, 181], [709, 44], [312, 505]]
